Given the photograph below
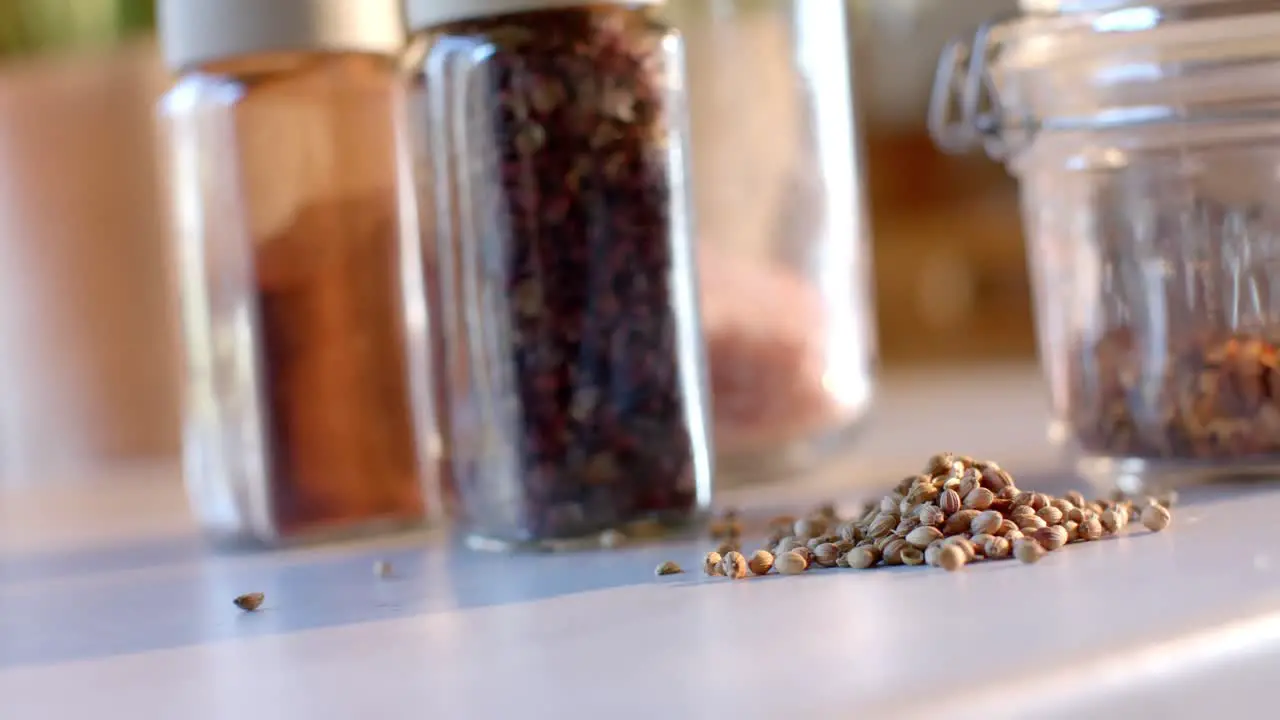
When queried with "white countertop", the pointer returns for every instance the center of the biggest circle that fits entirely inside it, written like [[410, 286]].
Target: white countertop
[[111, 608]]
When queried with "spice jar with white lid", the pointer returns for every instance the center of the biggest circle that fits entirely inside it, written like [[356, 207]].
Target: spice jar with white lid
[[551, 144], [1145, 137], [307, 410]]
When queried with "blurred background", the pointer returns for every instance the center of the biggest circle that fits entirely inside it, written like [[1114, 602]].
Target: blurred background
[[86, 331]]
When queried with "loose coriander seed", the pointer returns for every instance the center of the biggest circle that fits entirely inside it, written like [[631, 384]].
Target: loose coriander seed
[[711, 564], [1028, 551], [1091, 528], [1075, 498], [1051, 538], [986, 523], [952, 558], [1111, 521], [912, 556], [950, 502], [826, 555], [790, 563], [249, 602], [728, 547], [1050, 514], [862, 558], [760, 563], [998, 548], [979, 498], [735, 565], [610, 539], [923, 536], [668, 568], [1155, 518]]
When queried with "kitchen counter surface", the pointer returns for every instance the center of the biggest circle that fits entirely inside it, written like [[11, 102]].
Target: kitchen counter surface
[[111, 608]]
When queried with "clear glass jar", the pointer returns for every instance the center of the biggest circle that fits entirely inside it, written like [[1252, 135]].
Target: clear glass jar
[[551, 145], [783, 241], [1144, 137], [298, 268]]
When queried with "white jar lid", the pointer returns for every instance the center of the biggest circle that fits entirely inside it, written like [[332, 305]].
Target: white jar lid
[[194, 32], [423, 14]]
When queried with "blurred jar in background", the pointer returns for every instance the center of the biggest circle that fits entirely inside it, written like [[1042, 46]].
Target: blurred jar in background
[[85, 335], [783, 238], [307, 413]]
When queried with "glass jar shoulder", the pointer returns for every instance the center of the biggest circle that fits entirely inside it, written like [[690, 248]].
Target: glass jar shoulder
[[579, 32]]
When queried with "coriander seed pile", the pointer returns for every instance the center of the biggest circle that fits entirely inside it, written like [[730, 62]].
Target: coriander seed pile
[[957, 511]]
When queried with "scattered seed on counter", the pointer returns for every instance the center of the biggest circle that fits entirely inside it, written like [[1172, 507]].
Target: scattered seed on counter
[[668, 568], [790, 563], [249, 602], [760, 563], [1155, 517], [735, 565], [958, 512], [711, 564]]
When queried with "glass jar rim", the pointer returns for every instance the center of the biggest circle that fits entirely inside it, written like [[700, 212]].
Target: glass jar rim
[[992, 89]]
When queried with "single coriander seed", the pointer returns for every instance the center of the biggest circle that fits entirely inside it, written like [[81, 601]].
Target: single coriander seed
[[249, 602], [668, 568], [760, 563], [1155, 518], [1027, 551], [862, 558], [998, 548], [986, 523], [1051, 538], [826, 555], [1110, 520], [711, 564], [735, 565], [611, 539], [923, 536], [912, 556], [790, 563], [1091, 528], [951, 558]]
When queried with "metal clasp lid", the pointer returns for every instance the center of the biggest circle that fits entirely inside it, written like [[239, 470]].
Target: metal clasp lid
[[964, 108]]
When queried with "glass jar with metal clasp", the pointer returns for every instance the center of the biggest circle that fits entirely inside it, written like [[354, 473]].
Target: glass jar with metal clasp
[[1146, 140]]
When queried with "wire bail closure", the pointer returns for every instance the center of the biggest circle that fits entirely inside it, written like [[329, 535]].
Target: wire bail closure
[[964, 107]]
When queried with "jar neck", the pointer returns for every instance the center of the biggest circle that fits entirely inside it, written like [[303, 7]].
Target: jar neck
[[1123, 68]]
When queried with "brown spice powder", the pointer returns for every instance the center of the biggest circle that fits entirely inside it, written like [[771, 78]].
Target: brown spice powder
[[338, 403]]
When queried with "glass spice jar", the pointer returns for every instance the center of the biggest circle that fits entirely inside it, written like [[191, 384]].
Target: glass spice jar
[[298, 268], [783, 231], [1144, 137], [551, 145]]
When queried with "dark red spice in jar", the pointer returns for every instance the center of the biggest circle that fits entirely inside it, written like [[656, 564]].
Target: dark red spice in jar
[[551, 147]]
